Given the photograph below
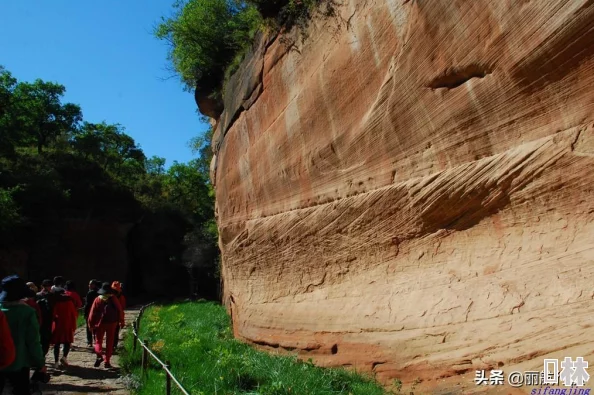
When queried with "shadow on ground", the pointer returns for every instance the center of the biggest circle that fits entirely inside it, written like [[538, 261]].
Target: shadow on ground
[[88, 373], [87, 350], [78, 389]]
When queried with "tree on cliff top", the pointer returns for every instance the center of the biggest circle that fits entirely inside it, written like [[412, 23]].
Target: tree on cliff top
[[205, 36], [208, 38]]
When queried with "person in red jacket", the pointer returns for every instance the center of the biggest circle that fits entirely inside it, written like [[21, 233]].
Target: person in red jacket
[[117, 287], [64, 326], [104, 317], [7, 351], [71, 291]]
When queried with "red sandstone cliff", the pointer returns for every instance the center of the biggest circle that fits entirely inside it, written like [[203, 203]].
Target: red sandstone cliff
[[409, 190]]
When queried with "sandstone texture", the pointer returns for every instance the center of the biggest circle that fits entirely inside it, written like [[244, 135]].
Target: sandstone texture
[[408, 190]]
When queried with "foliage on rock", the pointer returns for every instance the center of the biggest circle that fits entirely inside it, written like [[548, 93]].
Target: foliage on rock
[[209, 38], [205, 36]]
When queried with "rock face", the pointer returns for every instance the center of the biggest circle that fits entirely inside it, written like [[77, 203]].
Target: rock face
[[409, 190]]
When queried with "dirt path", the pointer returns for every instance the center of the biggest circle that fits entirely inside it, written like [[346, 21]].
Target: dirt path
[[81, 377]]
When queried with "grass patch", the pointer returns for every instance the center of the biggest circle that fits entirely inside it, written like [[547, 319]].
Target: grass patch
[[80, 320], [196, 338]]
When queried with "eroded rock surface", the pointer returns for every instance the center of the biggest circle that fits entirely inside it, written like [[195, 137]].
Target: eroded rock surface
[[409, 190]]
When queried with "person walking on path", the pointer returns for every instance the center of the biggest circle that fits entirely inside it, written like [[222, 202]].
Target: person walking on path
[[7, 352], [58, 283], [30, 301], [46, 300], [71, 292], [45, 329], [46, 288], [45, 303], [25, 333], [32, 287], [64, 326], [94, 286], [106, 313], [117, 287]]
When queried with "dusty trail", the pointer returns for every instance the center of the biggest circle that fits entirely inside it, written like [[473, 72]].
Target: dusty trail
[[81, 377]]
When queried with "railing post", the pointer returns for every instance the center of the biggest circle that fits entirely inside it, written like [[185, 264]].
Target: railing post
[[134, 333], [144, 357], [168, 364]]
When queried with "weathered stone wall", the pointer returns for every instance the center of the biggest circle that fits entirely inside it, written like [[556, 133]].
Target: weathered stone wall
[[409, 190]]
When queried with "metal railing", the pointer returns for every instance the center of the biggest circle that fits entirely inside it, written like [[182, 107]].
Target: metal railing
[[146, 352]]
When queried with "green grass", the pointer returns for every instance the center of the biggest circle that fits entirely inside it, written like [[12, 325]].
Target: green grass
[[196, 338], [80, 321]]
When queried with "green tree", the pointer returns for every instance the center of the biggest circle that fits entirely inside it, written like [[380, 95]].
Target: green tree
[[155, 165], [108, 145], [187, 189], [37, 111], [55, 167], [9, 134], [201, 146]]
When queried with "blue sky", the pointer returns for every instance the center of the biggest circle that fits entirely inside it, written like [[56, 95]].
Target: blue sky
[[105, 55]]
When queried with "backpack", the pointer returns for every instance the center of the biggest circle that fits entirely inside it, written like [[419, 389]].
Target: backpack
[[110, 312]]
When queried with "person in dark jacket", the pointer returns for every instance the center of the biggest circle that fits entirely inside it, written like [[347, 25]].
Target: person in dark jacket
[[92, 294], [46, 288], [24, 328], [46, 301], [94, 286]]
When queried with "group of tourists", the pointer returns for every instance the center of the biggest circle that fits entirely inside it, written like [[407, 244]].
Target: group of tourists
[[32, 319]]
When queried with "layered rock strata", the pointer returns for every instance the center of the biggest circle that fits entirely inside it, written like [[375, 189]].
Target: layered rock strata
[[408, 189]]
